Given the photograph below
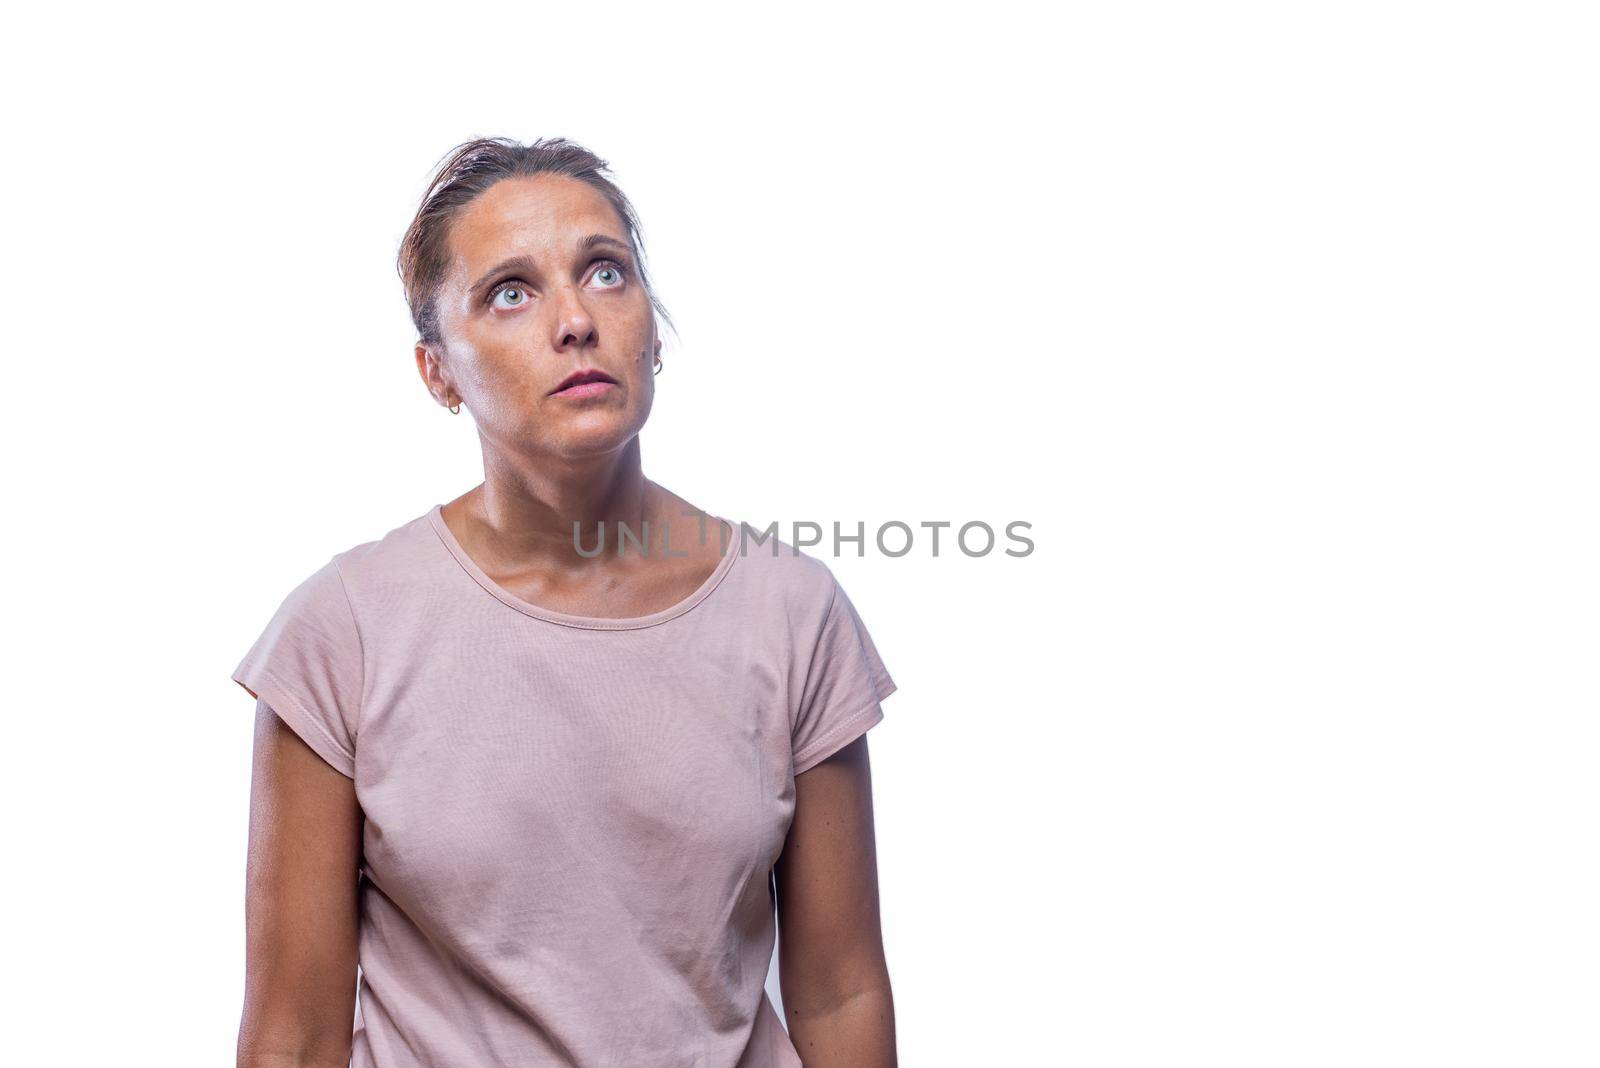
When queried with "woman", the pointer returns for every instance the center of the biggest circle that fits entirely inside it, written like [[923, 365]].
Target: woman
[[544, 795]]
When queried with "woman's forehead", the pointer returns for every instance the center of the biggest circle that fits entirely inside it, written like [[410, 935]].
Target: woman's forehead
[[542, 215]]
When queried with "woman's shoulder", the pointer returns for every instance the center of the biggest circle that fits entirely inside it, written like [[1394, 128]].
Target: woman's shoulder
[[379, 559], [398, 538], [780, 568]]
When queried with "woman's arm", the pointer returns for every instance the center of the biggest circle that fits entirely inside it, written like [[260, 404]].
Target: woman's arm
[[835, 981], [301, 905]]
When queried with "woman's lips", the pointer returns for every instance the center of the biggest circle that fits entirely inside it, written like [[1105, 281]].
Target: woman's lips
[[585, 389]]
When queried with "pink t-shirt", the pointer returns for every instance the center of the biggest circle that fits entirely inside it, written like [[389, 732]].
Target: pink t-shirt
[[570, 822]]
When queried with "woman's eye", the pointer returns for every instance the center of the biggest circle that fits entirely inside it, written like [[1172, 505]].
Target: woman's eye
[[509, 297], [609, 276]]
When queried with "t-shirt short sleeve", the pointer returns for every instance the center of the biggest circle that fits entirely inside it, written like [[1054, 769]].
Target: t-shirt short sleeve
[[844, 685], [307, 667]]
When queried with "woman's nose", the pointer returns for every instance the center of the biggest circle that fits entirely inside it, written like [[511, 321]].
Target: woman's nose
[[574, 328]]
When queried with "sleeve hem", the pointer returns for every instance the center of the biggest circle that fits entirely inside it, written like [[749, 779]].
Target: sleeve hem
[[840, 736], [265, 686]]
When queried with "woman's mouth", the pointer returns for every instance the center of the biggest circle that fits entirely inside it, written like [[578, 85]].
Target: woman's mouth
[[585, 383]]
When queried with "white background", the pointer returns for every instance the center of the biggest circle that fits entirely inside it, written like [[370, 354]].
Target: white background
[[1277, 322]]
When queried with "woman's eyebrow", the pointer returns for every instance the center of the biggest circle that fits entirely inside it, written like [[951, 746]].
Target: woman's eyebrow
[[595, 240], [526, 264], [518, 264]]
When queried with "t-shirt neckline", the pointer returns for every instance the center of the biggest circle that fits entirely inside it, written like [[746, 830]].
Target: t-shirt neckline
[[566, 619]]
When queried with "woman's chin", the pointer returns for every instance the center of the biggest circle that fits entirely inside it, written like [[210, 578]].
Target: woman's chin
[[591, 435]]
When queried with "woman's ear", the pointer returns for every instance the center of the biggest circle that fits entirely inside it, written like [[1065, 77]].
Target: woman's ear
[[431, 368]]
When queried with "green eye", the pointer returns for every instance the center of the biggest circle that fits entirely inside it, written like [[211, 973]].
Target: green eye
[[610, 276], [510, 296]]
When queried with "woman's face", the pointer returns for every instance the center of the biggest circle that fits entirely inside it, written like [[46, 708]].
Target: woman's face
[[543, 284]]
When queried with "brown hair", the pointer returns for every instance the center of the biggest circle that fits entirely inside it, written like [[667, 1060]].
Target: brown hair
[[470, 169]]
